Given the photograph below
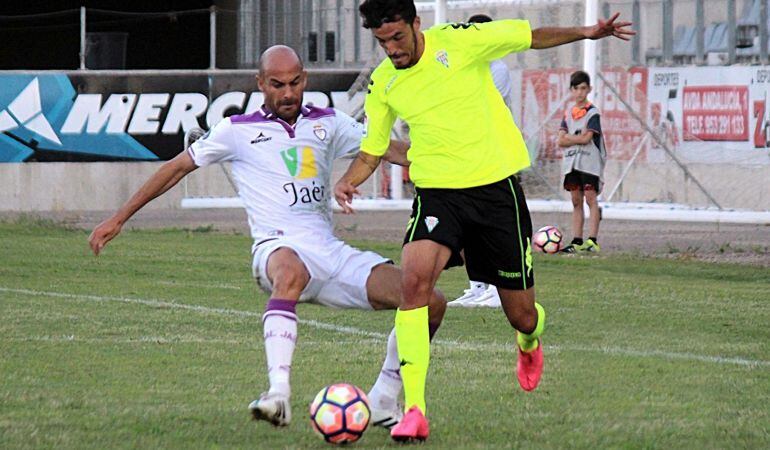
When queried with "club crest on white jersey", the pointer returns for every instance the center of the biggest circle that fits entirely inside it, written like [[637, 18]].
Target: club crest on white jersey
[[320, 132]]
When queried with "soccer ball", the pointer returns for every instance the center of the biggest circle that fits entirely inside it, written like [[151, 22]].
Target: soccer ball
[[340, 413], [547, 239]]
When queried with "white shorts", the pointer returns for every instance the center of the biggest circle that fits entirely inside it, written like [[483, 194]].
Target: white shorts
[[338, 272]]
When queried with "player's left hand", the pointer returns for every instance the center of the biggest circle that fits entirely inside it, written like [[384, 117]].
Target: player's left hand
[[343, 193], [606, 28]]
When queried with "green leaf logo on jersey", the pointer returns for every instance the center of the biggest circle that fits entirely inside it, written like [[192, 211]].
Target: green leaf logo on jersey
[[303, 167]]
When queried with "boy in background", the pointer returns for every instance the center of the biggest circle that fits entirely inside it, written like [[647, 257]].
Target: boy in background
[[583, 164]]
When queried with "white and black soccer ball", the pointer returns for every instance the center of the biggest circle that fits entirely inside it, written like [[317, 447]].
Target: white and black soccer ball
[[547, 239]]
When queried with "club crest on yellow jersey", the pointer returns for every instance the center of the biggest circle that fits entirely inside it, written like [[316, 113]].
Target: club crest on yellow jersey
[[443, 58]]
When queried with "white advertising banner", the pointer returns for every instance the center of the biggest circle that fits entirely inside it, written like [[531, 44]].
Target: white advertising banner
[[711, 114]]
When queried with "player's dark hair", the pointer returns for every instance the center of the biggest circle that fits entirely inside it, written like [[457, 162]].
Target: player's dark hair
[[377, 12], [479, 18], [579, 77]]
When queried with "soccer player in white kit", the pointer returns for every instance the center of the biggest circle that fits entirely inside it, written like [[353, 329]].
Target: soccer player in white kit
[[281, 159]]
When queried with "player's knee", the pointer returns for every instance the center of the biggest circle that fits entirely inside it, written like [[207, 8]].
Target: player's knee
[[415, 289], [288, 277], [525, 319]]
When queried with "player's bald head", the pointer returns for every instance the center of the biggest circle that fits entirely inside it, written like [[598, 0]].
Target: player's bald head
[[282, 80], [279, 58]]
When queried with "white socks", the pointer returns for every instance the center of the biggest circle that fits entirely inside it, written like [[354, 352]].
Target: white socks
[[280, 332], [388, 386]]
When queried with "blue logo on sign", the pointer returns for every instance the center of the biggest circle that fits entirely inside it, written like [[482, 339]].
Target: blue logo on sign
[[33, 109]]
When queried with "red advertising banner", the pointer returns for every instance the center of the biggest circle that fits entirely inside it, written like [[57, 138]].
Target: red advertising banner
[[546, 95], [622, 132], [715, 113]]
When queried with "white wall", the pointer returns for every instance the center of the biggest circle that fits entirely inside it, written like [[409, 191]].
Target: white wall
[[93, 186], [30, 187]]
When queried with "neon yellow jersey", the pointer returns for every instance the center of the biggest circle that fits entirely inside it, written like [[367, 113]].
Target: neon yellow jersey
[[462, 133]]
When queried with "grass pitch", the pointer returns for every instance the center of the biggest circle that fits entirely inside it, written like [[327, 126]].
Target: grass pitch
[[157, 344]]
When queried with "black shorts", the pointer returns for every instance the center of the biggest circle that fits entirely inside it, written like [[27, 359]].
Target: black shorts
[[581, 181], [490, 223]]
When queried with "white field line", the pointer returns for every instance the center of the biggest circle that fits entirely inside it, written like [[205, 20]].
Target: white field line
[[375, 335], [197, 285], [125, 340], [171, 339]]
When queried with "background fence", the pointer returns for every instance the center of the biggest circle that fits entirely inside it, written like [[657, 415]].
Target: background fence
[[230, 34], [684, 104]]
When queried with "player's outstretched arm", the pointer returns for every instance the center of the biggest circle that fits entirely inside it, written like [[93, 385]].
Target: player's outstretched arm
[[164, 179], [547, 37], [360, 169], [396, 153]]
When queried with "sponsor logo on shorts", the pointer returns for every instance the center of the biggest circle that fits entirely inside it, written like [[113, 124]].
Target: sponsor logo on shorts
[[431, 223], [505, 274]]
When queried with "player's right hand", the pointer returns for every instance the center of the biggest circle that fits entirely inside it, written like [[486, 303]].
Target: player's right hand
[[102, 234], [343, 193]]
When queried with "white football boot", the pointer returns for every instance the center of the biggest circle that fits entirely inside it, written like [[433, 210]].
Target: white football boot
[[386, 417], [471, 295], [490, 298], [274, 408]]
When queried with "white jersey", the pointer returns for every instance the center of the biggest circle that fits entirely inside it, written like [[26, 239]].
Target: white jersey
[[283, 172], [501, 76]]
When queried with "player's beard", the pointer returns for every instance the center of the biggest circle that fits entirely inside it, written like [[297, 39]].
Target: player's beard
[[411, 56], [288, 115]]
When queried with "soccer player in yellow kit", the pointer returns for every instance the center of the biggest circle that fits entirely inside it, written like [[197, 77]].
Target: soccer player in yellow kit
[[464, 155]]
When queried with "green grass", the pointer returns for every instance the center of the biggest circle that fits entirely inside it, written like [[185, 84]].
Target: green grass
[[101, 353]]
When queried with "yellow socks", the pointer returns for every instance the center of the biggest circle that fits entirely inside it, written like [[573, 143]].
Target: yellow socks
[[529, 342], [414, 353]]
